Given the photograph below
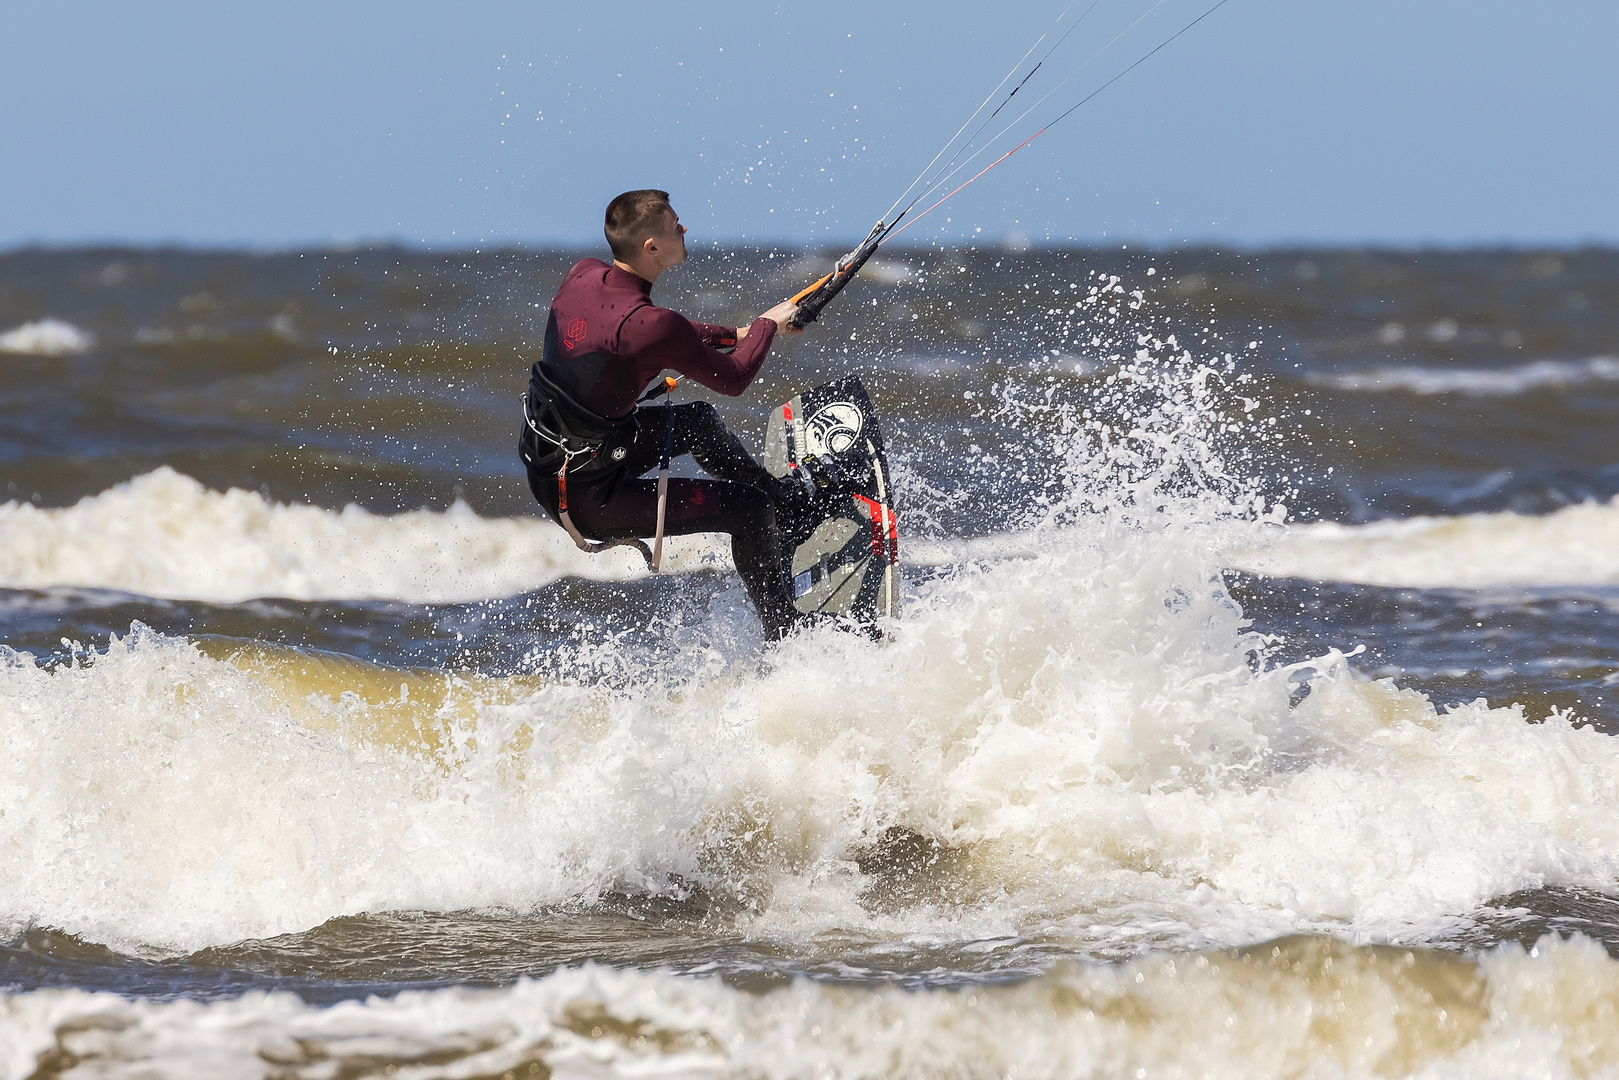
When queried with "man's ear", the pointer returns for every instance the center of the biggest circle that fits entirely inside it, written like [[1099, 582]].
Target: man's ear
[[649, 246]]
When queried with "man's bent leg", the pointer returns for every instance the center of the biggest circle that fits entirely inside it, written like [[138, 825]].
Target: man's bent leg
[[700, 432], [629, 508]]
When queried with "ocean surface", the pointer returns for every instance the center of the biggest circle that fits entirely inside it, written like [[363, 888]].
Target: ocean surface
[[1253, 710]]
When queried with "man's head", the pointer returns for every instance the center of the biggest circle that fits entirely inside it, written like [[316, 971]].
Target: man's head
[[643, 230]]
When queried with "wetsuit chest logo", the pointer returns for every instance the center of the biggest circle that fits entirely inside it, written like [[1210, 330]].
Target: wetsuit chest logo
[[576, 333]]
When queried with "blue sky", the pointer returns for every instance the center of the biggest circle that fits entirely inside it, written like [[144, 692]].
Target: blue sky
[[1401, 122]]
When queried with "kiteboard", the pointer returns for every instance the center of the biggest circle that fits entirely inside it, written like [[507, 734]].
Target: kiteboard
[[828, 440]]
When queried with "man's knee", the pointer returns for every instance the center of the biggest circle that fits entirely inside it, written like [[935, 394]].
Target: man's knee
[[702, 415]]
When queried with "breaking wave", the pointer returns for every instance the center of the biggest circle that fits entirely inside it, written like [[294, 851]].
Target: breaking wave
[[1091, 733], [47, 337], [164, 534], [1577, 545], [1477, 382], [1299, 1007]]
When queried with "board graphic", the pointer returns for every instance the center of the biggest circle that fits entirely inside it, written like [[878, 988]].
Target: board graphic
[[828, 440]]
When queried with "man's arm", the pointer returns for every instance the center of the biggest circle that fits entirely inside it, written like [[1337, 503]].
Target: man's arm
[[721, 337], [661, 339], [724, 337]]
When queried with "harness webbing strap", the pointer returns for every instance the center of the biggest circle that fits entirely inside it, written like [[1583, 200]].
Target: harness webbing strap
[[656, 560], [594, 547]]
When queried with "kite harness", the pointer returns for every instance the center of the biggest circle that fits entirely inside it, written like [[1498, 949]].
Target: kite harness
[[576, 432]]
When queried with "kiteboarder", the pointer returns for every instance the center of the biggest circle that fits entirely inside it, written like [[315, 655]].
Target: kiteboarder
[[588, 435]]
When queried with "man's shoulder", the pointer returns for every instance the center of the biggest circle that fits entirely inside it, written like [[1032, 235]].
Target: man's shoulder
[[660, 319], [585, 282], [650, 326], [583, 266]]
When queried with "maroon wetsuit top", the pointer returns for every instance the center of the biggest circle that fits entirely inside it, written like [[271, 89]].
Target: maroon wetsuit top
[[605, 342]]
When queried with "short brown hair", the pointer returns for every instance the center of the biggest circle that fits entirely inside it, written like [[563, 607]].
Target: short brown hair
[[632, 217]]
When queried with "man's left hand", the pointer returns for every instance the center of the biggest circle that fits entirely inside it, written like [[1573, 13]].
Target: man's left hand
[[782, 315]]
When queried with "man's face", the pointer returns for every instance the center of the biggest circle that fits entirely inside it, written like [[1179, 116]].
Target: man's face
[[671, 241]]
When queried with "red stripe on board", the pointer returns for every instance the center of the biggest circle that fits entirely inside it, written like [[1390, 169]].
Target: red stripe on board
[[884, 530]]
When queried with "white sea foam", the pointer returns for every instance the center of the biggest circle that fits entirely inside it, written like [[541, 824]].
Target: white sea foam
[[1577, 545], [1083, 730], [1302, 1008], [1477, 382], [47, 337], [164, 534]]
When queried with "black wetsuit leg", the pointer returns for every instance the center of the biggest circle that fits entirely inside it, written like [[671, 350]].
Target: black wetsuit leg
[[700, 432], [620, 504]]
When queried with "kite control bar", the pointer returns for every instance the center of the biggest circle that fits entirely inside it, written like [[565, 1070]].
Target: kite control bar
[[817, 296]]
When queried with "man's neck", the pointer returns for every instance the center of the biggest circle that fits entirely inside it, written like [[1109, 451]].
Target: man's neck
[[647, 273]]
